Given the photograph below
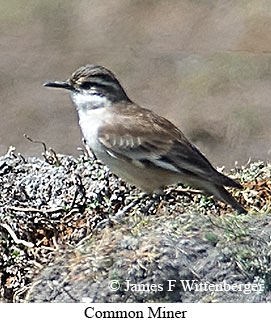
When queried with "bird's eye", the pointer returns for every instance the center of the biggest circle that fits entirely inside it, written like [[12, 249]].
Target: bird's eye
[[86, 85]]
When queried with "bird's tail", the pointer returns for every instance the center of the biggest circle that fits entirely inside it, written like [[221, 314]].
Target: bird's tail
[[217, 190], [223, 195], [227, 181]]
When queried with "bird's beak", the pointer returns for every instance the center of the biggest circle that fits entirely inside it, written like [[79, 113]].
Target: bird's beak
[[59, 84]]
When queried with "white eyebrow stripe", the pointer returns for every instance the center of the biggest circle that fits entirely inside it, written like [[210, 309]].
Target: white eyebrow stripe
[[99, 80]]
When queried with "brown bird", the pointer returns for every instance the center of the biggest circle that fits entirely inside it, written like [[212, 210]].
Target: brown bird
[[138, 145]]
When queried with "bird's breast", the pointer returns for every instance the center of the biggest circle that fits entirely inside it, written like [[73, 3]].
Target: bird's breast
[[90, 122]]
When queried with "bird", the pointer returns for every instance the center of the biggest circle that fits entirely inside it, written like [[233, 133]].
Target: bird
[[138, 145]]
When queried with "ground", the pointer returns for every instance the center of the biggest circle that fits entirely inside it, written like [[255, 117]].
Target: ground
[[57, 244]]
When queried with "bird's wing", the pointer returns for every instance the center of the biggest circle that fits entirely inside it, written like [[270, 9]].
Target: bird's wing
[[141, 136]]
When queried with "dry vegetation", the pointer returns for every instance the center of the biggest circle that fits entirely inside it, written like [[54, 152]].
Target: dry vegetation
[[55, 211]]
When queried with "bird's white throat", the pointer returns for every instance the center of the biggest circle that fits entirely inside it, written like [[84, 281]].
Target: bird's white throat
[[89, 101], [91, 109]]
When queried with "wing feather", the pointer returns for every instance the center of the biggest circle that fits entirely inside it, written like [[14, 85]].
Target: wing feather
[[140, 135]]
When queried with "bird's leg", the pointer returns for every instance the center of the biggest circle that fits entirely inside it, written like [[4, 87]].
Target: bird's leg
[[154, 198], [117, 217]]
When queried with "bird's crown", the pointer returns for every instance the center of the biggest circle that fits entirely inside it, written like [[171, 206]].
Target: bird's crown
[[92, 74]]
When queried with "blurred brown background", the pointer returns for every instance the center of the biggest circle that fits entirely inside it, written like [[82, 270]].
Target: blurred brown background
[[203, 64]]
